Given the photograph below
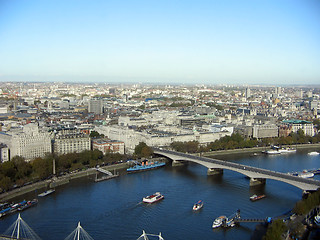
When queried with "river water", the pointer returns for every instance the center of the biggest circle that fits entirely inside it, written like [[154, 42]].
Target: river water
[[113, 209]]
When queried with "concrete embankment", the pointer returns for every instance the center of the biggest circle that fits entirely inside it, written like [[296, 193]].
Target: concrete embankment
[[55, 182]]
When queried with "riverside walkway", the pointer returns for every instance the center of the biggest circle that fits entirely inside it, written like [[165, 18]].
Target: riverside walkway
[[257, 175]]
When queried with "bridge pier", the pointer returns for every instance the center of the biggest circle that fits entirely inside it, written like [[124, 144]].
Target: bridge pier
[[214, 171], [177, 163], [257, 181]]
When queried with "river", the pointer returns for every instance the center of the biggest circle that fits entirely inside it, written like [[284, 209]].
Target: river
[[113, 209]]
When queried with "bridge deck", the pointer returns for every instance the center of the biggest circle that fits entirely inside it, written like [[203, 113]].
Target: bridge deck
[[241, 168]]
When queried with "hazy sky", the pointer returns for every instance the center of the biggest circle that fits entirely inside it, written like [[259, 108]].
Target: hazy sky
[[177, 41]]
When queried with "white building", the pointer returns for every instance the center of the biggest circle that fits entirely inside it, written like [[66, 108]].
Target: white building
[[29, 143], [156, 138], [295, 125], [4, 153], [71, 142]]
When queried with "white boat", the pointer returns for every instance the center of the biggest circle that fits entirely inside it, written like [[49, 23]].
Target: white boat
[[317, 219], [219, 221], [273, 152], [153, 198], [278, 150], [304, 174], [313, 153], [198, 205], [287, 150], [45, 193]]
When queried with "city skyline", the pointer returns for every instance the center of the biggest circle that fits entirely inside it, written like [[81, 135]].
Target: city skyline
[[189, 42]]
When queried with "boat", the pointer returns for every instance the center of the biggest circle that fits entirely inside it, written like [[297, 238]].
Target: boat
[[28, 204], [145, 165], [278, 150], [198, 205], [153, 198], [287, 150], [272, 152], [219, 221], [313, 153], [317, 219], [257, 197], [45, 193], [306, 174]]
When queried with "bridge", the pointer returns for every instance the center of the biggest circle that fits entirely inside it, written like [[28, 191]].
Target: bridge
[[257, 175]]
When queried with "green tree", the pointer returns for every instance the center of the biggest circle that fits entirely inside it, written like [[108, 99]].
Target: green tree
[[5, 183], [142, 150], [42, 168], [275, 230], [95, 134]]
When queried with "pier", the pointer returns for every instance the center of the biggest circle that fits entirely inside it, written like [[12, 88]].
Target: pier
[[107, 175]]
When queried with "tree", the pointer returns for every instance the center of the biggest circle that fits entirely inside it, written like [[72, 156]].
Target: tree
[[5, 183], [275, 230], [42, 168], [142, 150], [95, 134]]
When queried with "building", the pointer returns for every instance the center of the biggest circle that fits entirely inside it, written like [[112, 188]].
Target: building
[[108, 146], [4, 153], [29, 142], [157, 137], [95, 106], [71, 142], [289, 126], [265, 131], [247, 93]]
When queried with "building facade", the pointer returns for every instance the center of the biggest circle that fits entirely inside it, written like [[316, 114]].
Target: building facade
[[289, 126], [95, 106], [71, 143], [108, 146], [29, 143], [265, 131]]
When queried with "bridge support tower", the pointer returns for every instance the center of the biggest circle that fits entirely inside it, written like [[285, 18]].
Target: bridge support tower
[[214, 171], [257, 181], [177, 163]]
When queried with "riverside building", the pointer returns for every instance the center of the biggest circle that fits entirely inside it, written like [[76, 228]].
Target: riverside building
[[70, 142], [108, 146], [29, 142]]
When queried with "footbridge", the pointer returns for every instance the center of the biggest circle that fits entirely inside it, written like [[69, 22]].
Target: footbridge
[[257, 175]]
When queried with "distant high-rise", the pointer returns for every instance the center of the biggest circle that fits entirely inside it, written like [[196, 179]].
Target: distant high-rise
[[248, 93], [95, 106], [278, 90]]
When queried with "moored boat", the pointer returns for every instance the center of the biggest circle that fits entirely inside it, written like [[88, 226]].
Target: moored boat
[[287, 150], [219, 221], [145, 165], [198, 205], [28, 204], [317, 219], [257, 197], [45, 193], [153, 198]]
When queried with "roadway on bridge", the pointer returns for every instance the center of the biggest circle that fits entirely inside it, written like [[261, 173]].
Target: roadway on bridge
[[240, 167]]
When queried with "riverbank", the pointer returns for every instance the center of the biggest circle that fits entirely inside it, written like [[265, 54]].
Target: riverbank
[[58, 181], [299, 147]]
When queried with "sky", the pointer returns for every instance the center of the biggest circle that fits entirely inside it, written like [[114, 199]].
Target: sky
[[163, 41]]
